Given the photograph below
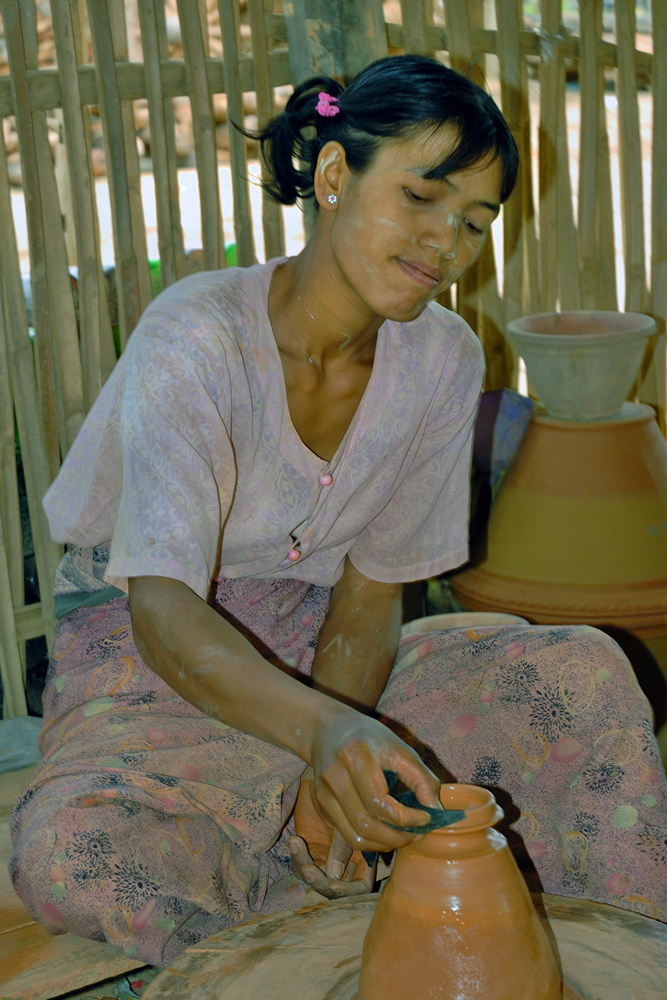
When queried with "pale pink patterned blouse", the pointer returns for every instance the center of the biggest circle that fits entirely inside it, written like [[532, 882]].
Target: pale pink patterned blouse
[[190, 466]]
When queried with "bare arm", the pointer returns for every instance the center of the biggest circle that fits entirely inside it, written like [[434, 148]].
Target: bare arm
[[358, 643], [212, 666]]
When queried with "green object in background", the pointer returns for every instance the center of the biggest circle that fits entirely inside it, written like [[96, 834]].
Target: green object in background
[[154, 268]]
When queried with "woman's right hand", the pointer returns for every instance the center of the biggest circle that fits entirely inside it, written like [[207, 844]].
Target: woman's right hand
[[349, 753]]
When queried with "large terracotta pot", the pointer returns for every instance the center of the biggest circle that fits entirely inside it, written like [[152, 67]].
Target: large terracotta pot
[[578, 533], [455, 918]]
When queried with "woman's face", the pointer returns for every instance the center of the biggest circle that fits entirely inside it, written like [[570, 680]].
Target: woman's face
[[399, 239]]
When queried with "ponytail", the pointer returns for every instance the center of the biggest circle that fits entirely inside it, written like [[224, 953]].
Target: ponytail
[[392, 98]]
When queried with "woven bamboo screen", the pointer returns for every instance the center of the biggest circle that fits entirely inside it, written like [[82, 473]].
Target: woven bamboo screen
[[559, 247]]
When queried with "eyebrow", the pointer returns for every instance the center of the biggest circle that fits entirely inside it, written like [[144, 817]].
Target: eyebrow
[[423, 173]]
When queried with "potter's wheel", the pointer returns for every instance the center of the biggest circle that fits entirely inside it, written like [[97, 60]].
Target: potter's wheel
[[315, 954]]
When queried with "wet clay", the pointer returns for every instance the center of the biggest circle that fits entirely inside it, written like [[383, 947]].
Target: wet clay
[[455, 919]]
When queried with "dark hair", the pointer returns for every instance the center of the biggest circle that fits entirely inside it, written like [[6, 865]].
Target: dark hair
[[392, 98]]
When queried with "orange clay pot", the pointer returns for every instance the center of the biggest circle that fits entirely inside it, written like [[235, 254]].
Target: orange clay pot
[[455, 919], [578, 533]]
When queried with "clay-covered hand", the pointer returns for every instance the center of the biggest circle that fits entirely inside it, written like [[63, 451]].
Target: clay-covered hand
[[356, 879], [320, 855], [349, 753]]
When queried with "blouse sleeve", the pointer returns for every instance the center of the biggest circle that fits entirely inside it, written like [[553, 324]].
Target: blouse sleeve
[[423, 530], [178, 468]]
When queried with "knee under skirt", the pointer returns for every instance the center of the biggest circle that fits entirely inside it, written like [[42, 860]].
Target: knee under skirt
[[151, 825]]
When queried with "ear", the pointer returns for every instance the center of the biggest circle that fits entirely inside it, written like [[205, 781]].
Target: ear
[[329, 174]]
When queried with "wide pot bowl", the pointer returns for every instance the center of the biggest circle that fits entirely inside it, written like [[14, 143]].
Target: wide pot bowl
[[582, 363]]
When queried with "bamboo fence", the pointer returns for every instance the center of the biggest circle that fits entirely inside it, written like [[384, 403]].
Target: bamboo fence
[[552, 256]]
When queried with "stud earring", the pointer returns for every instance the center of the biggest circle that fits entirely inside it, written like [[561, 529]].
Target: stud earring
[[332, 199]]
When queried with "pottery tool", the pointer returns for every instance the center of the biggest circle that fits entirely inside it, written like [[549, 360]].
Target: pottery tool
[[439, 817]]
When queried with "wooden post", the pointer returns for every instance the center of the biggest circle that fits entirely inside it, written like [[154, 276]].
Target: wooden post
[[653, 387], [60, 384], [121, 54], [203, 130], [10, 512], [26, 401], [335, 38], [84, 208], [229, 28], [10, 662], [163, 150], [630, 158], [415, 34], [550, 72], [127, 277], [509, 55], [272, 217]]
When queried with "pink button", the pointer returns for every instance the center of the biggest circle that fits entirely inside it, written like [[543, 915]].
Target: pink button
[[326, 479], [293, 555]]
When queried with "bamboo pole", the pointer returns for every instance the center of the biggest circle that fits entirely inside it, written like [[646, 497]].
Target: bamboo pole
[[40, 300], [272, 216], [569, 293], [531, 267], [659, 168], [550, 72], [203, 128], [630, 159], [653, 388], [607, 293], [414, 27], [460, 56], [10, 511], [590, 85], [10, 663], [163, 150], [70, 405], [127, 276], [458, 34], [229, 26], [121, 54], [82, 44], [477, 295], [31, 430], [83, 204], [558, 247], [509, 55], [595, 227]]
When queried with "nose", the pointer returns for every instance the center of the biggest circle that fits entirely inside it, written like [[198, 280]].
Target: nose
[[446, 240]]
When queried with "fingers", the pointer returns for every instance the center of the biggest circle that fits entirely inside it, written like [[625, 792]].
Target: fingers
[[338, 856], [338, 796], [361, 880], [418, 777], [353, 791], [350, 756]]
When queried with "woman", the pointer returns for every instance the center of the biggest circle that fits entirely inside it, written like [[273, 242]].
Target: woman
[[276, 452]]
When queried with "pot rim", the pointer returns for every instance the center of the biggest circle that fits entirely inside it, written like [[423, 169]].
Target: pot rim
[[482, 812], [639, 326]]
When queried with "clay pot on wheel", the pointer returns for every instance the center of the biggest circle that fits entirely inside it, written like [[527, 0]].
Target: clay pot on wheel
[[455, 918]]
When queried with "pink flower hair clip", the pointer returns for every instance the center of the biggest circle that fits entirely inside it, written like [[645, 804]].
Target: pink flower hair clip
[[325, 105]]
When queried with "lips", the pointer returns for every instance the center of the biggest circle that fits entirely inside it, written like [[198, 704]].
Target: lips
[[421, 272]]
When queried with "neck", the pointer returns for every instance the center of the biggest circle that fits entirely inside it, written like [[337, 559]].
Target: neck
[[315, 313]]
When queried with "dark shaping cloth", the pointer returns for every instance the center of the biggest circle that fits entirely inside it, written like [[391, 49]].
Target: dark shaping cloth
[[439, 817]]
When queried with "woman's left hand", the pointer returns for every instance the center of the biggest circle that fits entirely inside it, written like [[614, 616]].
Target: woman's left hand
[[321, 856]]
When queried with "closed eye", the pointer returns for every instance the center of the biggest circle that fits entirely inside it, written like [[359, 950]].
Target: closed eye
[[415, 197], [474, 229]]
